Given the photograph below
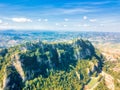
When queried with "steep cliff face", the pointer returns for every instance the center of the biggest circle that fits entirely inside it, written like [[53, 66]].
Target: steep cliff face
[[39, 58], [12, 79]]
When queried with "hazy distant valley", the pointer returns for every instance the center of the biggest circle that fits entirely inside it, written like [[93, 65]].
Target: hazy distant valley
[[10, 38]]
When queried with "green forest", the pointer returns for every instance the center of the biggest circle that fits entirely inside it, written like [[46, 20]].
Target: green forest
[[49, 65]]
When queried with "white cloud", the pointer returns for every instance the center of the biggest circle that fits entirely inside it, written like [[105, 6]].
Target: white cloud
[[39, 20], [57, 24], [5, 24], [45, 20], [90, 3], [75, 10], [65, 25], [0, 21], [21, 20], [66, 19], [92, 20], [85, 17], [4, 27], [101, 3]]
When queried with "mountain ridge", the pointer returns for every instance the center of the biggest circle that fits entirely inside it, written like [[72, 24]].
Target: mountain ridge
[[31, 60]]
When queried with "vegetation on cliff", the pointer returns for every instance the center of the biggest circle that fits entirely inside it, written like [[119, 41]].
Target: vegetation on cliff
[[42, 65]]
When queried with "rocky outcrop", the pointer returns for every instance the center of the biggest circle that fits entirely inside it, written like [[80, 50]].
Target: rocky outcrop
[[18, 66], [12, 79]]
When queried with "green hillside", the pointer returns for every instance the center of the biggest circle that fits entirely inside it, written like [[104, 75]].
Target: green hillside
[[49, 66]]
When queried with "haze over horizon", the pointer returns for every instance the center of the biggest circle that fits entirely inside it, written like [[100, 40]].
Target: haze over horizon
[[72, 15]]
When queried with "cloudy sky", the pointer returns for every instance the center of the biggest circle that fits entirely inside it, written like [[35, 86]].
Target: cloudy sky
[[68, 15]]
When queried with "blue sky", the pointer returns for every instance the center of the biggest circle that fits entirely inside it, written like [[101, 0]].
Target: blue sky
[[67, 15]]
